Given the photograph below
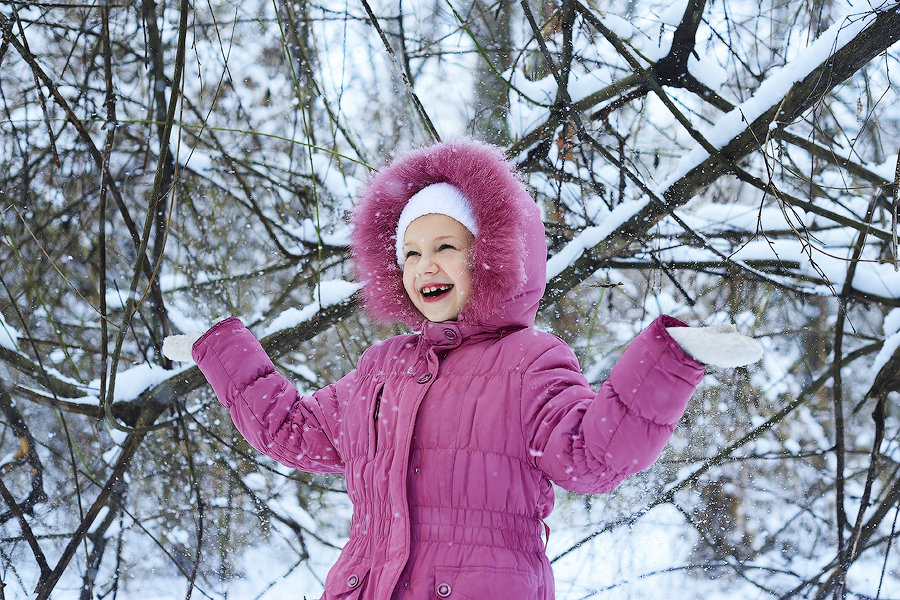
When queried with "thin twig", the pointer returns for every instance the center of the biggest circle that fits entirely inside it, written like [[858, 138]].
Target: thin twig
[[198, 499], [843, 558], [423, 114], [26, 530], [895, 213], [156, 195]]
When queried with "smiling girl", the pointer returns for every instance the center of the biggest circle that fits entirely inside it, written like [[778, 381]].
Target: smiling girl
[[450, 437]]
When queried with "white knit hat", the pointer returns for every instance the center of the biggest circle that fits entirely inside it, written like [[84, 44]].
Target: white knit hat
[[437, 198]]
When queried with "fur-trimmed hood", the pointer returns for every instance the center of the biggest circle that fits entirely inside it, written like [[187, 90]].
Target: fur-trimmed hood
[[508, 257]]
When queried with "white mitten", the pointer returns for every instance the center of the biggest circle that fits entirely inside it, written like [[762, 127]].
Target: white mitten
[[719, 345], [178, 347]]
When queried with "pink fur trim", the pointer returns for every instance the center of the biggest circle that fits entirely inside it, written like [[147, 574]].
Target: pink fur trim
[[501, 205]]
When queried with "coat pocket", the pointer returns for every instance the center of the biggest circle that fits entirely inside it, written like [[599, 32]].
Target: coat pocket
[[374, 412], [479, 583], [347, 580]]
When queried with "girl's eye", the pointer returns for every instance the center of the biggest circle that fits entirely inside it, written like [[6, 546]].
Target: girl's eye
[[411, 253], [445, 246]]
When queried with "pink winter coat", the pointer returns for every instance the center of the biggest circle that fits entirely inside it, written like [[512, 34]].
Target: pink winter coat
[[449, 438]]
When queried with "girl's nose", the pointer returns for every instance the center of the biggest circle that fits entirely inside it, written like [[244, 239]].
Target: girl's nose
[[426, 266]]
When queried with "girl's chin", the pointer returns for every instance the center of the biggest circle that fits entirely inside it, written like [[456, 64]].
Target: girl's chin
[[438, 316], [439, 320]]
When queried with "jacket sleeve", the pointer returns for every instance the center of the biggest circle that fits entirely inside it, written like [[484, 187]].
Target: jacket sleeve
[[588, 441], [297, 431]]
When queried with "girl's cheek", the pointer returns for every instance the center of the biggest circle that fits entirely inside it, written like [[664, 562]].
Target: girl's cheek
[[407, 285]]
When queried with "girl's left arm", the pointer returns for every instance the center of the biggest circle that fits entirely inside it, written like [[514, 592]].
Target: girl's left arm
[[589, 441]]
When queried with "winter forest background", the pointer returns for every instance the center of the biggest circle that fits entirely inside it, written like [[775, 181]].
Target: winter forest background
[[164, 163]]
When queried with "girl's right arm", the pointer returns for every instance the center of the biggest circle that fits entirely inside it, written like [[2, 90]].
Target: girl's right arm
[[300, 432]]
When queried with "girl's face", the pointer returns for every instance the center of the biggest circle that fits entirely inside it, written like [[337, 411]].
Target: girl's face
[[437, 275]]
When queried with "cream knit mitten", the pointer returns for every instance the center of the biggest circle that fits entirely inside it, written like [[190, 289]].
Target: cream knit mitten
[[719, 345], [178, 347]]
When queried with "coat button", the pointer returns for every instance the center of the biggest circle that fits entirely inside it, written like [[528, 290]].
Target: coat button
[[443, 590], [425, 378], [450, 334], [353, 581]]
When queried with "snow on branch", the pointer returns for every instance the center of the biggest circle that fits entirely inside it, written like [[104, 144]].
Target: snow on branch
[[326, 294], [771, 93], [147, 382], [839, 53]]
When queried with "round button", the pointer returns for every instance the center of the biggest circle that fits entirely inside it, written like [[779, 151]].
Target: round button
[[450, 334], [353, 581], [443, 590], [425, 378]]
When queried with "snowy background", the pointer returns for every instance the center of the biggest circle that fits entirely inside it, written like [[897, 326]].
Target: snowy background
[[167, 163]]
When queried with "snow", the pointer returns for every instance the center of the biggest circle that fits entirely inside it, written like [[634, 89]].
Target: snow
[[132, 382], [718, 346], [328, 293], [591, 236], [536, 95], [326, 169], [662, 303], [287, 505], [787, 251], [651, 46], [305, 372], [870, 278], [891, 341], [892, 322], [116, 299], [707, 71], [182, 322], [9, 335], [673, 12], [619, 26], [255, 481], [740, 217], [307, 231], [636, 569], [887, 169], [585, 84]]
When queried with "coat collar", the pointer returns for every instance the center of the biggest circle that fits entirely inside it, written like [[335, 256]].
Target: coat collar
[[447, 335]]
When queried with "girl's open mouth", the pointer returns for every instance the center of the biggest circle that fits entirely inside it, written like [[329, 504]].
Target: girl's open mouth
[[433, 293]]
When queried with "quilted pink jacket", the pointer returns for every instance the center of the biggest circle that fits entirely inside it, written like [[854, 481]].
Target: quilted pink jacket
[[449, 438]]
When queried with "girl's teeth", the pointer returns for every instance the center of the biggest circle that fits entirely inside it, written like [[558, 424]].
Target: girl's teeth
[[432, 289]]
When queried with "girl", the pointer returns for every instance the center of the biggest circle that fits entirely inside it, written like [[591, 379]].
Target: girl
[[449, 438]]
